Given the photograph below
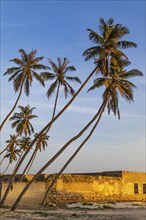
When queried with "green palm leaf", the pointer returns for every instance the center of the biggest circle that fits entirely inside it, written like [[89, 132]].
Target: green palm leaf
[[52, 89], [131, 73], [74, 79], [47, 76]]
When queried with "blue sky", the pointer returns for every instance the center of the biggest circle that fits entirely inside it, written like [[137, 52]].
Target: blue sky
[[58, 29]]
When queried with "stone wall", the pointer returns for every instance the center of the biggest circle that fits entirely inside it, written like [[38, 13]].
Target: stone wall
[[76, 188]]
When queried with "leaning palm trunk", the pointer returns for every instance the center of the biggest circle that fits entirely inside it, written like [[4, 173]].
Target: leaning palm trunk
[[29, 164], [18, 160], [8, 115], [40, 133], [6, 168], [55, 104], [56, 156], [73, 156], [3, 150], [2, 161]]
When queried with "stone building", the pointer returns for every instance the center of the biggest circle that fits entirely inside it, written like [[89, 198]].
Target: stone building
[[83, 187]]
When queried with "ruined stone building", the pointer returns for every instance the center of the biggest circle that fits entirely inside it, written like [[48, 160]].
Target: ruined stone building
[[83, 187]]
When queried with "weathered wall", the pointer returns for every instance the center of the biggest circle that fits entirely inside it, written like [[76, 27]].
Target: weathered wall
[[128, 180], [75, 188], [32, 197], [81, 188]]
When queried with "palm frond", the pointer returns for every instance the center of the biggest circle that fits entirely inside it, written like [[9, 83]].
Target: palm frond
[[65, 63], [59, 62], [37, 59], [38, 78], [47, 75], [51, 89], [18, 81], [18, 62], [14, 75], [118, 53], [53, 65], [126, 44], [91, 52], [38, 67], [65, 90], [75, 79], [131, 73], [69, 69], [12, 70], [27, 85], [71, 90], [96, 38], [23, 55], [110, 21]]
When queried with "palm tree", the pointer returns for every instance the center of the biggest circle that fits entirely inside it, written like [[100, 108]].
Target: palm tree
[[22, 120], [99, 55], [12, 152], [22, 76], [60, 78], [10, 142]]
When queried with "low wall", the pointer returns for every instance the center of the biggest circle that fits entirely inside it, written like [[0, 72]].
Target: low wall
[[80, 188], [33, 196]]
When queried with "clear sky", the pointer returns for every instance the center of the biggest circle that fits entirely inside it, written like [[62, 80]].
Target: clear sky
[[58, 29]]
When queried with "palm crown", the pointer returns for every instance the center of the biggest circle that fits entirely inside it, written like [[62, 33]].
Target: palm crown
[[24, 143], [117, 83], [59, 74], [22, 120], [108, 44], [26, 70], [42, 142], [12, 152]]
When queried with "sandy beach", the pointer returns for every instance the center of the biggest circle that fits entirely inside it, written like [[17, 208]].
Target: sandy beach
[[80, 211]]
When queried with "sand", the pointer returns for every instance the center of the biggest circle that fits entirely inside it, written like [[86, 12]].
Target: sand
[[79, 211]]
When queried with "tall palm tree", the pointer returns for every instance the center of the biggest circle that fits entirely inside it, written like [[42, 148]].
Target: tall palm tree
[[22, 76], [22, 120], [99, 55]]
